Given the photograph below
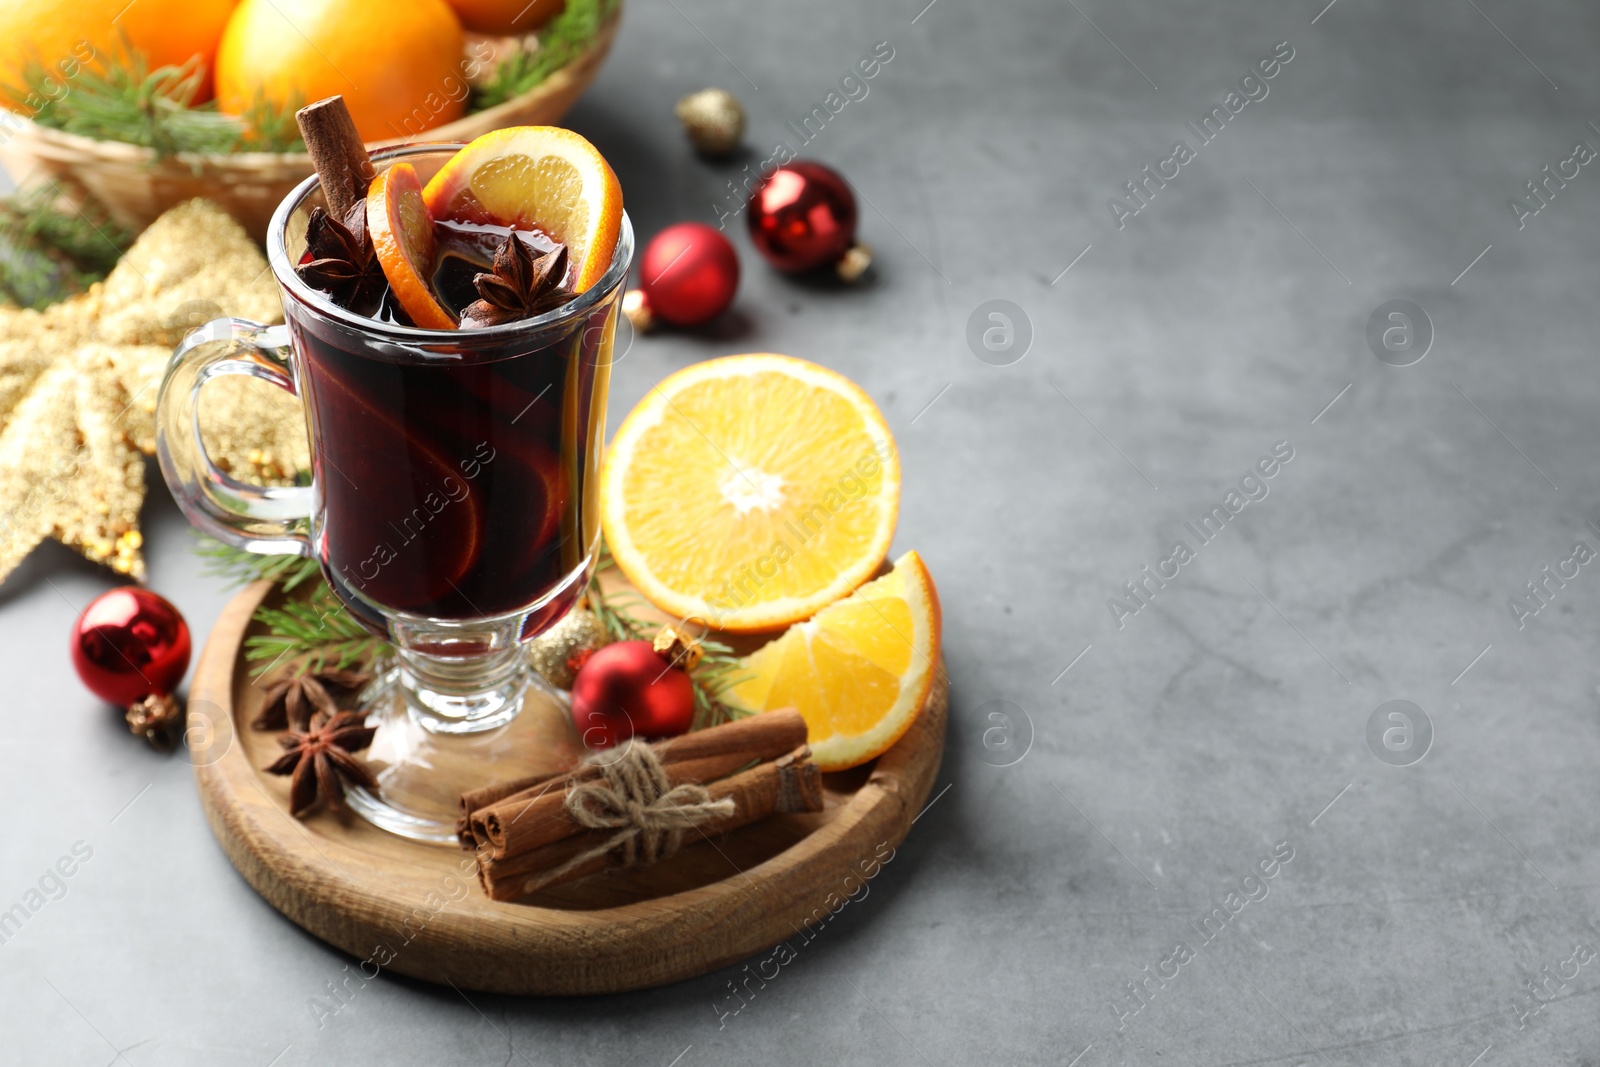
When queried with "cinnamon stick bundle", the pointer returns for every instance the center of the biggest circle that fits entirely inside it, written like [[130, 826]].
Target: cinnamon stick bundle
[[510, 817], [791, 783], [520, 825]]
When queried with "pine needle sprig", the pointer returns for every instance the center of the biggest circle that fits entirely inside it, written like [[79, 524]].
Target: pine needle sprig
[[719, 666], [242, 567], [120, 98], [89, 237], [719, 671], [561, 41], [314, 634], [270, 128], [312, 631], [615, 610], [48, 254], [127, 101]]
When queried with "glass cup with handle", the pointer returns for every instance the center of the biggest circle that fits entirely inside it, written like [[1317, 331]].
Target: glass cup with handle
[[452, 503]]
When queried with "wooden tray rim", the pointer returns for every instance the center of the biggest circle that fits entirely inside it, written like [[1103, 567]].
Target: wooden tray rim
[[519, 948]]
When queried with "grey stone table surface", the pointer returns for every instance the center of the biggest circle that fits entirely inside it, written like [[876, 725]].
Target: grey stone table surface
[[1090, 886]]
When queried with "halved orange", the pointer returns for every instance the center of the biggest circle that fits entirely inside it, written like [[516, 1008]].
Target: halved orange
[[536, 177], [859, 672], [750, 492], [402, 236]]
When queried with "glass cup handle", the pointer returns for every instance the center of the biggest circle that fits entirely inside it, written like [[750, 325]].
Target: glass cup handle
[[272, 522]]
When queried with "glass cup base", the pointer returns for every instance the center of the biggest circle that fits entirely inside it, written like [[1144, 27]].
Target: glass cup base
[[422, 770]]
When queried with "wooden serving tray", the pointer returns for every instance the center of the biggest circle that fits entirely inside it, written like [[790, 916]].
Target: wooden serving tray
[[419, 910]]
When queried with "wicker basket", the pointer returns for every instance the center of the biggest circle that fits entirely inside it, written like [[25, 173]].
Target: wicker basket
[[136, 187]]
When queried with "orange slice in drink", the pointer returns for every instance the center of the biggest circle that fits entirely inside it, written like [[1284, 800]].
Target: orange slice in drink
[[858, 672], [536, 178], [402, 236], [750, 492]]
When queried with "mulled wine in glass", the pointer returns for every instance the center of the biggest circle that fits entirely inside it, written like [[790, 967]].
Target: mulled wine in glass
[[453, 498]]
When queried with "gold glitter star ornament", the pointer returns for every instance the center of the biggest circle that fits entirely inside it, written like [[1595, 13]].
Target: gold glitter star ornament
[[78, 386]]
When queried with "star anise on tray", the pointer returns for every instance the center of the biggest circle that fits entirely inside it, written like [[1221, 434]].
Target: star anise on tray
[[343, 263], [523, 285], [290, 701], [320, 760]]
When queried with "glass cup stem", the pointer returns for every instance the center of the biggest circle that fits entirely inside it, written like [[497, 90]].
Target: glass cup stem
[[463, 696]]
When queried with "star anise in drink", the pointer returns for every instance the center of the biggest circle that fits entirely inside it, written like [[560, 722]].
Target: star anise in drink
[[522, 285], [343, 263], [320, 760], [294, 697]]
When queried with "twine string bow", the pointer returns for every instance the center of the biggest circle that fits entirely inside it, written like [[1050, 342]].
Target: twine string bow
[[634, 797]]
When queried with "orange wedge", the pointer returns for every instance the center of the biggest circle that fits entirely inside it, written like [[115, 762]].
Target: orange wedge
[[750, 492], [858, 673], [536, 178], [402, 236]]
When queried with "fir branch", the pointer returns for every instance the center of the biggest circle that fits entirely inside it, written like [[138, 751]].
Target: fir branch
[[312, 634], [47, 254], [561, 41], [127, 101], [719, 666], [316, 633], [121, 99], [719, 670], [614, 611], [90, 237], [312, 631], [270, 128], [242, 567]]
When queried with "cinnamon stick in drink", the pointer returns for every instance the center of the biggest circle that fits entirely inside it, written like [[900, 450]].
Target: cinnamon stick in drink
[[791, 783], [336, 150]]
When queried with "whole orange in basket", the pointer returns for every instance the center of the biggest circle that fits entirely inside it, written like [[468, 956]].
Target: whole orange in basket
[[506, 18], [64, 34], [397, 65]]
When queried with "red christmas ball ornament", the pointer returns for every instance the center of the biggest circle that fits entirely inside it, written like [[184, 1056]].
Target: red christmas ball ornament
[[687, 277], [627, 689], [130, 647], [803, 216]]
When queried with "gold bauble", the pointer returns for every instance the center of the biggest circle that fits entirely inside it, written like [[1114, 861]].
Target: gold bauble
[[556, 653], [713, 119]]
